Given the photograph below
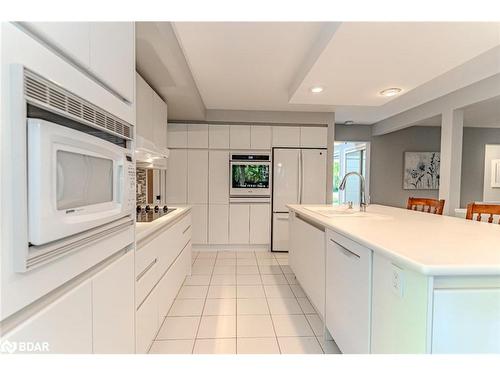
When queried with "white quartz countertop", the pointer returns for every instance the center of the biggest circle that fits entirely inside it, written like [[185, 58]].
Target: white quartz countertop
[[143, 230], [430, 244]]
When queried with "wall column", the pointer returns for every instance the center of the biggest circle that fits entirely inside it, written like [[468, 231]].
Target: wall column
[[329, 160], [452, 124]]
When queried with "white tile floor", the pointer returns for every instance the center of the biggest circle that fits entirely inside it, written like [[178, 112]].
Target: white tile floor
[[241, 303]]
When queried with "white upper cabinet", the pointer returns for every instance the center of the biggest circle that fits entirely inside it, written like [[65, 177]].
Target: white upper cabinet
[[313, 136], [177, 136], [112, 55], [70, 38], [218, 177], [197, 176], [144, 109], [159, 122], [260, 137], [197, 136], [177, 171], [286, 136], [240, 137], [105, 49], [218, 136]]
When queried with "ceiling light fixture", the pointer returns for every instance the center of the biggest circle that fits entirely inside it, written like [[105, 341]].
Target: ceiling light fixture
[[390, 91], [317, 89], [349, 122]]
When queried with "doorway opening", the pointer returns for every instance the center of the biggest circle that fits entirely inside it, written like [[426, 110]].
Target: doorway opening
[[350, 157]]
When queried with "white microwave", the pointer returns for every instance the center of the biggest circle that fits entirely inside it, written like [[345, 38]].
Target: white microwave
[[76, 181]]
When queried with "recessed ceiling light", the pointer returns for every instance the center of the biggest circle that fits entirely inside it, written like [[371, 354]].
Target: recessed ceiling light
[[349, 122], [391, 91], [317, 89]]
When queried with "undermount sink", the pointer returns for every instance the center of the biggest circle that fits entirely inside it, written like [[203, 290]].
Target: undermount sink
[[336, 211]]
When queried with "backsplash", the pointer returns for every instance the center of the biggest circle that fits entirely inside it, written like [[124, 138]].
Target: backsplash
[[141, 186]]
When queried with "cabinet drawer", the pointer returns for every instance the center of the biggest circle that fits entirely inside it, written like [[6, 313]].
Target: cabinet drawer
[[145, 281], [348, 294], [171, 282], [171, 243], [146, 323]]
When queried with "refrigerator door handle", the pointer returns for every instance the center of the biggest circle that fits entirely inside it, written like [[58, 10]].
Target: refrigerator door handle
[[301, 176]]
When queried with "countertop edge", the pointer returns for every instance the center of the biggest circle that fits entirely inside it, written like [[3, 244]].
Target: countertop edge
[[450, 270], [160, 223]]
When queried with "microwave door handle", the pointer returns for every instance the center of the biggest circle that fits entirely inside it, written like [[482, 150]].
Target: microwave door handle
[[60, 181], [119, 183]]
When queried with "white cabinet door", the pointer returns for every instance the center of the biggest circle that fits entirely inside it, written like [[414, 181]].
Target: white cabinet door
[[144, 109], [113, 307], [146, 323], [313, 136], [177, 176], [218, 136], [197, 136], [112, 55], [280, 231], [65, 325], [197, 176], [466, 321], [239, 223], [70, 38], [199, 224], [159, 122], [348, 294], [177, 136], [260, 223], [218, 224], [260, 137], [239, 137], [286, 136], [307, 259], [218, 177]]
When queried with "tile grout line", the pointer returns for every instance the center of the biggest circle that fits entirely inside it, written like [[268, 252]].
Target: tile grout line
[[270, 315], [204, 304]]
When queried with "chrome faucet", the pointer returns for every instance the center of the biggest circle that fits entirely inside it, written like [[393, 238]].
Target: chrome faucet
[[363, 203]]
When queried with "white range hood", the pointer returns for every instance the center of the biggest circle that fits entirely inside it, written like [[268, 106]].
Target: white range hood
[[148, 155]]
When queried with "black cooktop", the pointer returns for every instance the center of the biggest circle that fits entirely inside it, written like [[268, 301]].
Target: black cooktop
[[148, 213]]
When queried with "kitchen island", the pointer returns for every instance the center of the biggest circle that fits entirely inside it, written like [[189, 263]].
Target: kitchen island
[[391, 280]]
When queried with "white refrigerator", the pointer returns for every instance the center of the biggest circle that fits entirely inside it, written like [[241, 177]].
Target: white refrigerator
[[299, 177]]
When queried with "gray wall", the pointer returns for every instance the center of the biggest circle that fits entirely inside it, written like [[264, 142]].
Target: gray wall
[[473, 153], [386, 159]]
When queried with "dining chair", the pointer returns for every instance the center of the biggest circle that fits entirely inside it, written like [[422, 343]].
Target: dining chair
[[481, 208], [433, 206]]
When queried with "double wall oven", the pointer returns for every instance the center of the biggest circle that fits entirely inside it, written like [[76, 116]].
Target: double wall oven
[[250, 176]]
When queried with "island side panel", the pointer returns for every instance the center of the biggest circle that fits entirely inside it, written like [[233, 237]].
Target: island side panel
[[400, 308]]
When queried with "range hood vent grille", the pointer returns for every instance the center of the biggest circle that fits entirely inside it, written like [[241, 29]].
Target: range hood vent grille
[[48, 95]]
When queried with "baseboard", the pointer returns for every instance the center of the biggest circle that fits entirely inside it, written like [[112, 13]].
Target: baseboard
[[206, 247]]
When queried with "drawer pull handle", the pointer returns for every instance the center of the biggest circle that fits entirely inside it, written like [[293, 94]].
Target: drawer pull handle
[[346, 252], [282, 218], [139, 276], [185, 230]]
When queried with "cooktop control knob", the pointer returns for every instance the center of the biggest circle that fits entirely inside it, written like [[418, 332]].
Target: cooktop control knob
[[138, 209], [157, 208], [165, 208], [148, 208]]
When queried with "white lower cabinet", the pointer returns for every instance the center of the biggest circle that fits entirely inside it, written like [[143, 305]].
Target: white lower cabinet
[[280, 232], [260, 223], [113, 307], [218, 223], [146, 322], [171, 282], [348, 294], [64, 326], [199, 214], [307, 259], [239, 223]]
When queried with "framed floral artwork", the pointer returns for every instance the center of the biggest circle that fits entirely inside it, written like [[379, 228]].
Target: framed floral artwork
[[421, 171]]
